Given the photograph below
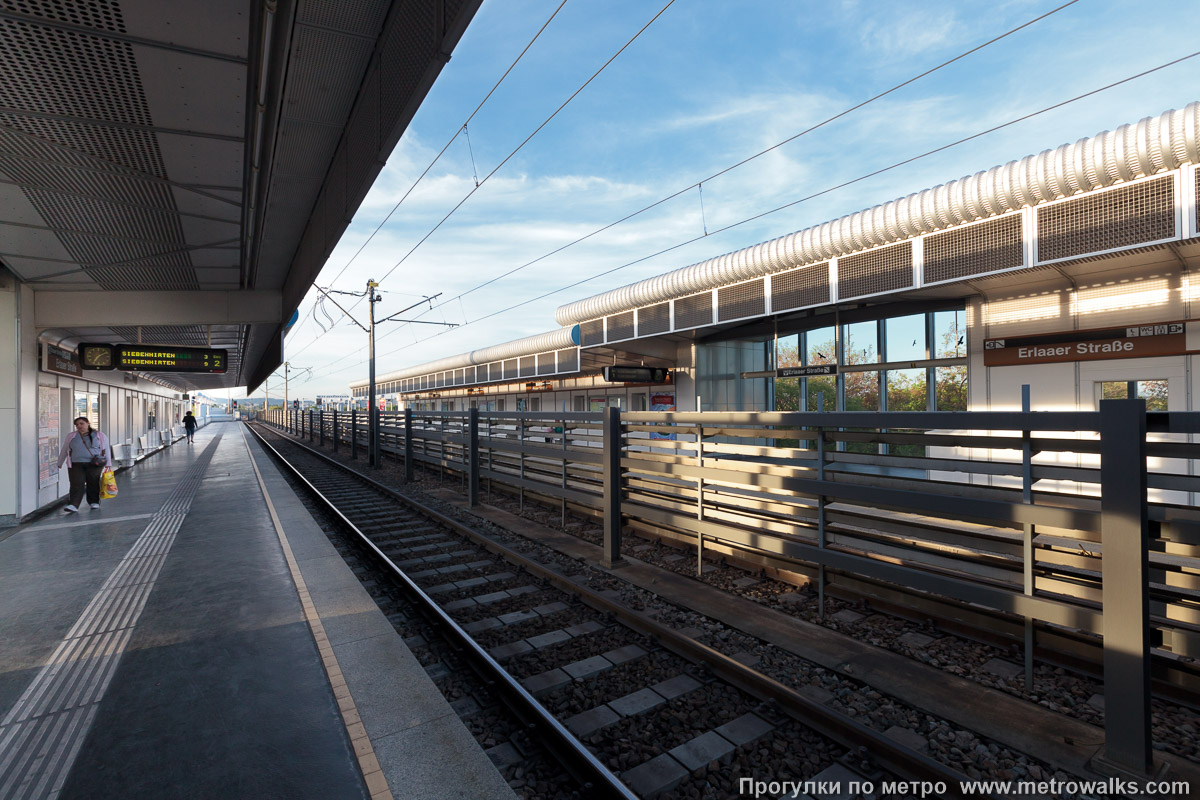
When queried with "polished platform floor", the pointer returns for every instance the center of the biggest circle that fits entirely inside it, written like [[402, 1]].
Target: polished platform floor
[[199, 637]]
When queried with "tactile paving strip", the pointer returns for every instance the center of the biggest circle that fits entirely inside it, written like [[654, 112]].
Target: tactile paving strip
[[42, 733]]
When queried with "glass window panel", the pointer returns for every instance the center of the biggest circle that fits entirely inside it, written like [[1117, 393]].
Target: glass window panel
[[862, 391], [949, 334], [820, 347], [951, 388], [787, 394], [862, 394], [1114, 390], [822, 385], [1154, 393], [905, 338], [787, 351], [906, 390], [861, 343]]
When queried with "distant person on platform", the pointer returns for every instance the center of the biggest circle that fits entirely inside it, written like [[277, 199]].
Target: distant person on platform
[[189, 424], [87, 454]]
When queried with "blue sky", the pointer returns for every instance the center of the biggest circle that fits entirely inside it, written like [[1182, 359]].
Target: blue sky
[[706, 85]]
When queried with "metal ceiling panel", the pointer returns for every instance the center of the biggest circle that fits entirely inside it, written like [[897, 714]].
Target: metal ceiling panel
[[199, 161], [214, 26], [218, 278], [193, 93], [209, 204], [30, 242]]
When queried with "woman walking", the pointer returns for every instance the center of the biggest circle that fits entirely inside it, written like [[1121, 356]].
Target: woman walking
[[189, 425], [86, 453]]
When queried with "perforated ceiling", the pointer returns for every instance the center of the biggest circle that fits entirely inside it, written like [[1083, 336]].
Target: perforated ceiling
[[132, 157]]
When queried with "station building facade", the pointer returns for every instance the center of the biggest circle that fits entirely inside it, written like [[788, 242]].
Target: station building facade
[[1073, 271]]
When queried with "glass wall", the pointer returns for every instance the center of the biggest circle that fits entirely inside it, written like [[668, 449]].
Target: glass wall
[[719, 381], [906, 343]]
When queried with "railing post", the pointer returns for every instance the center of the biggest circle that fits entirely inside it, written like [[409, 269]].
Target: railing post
[[321, 427], [335, 431], [1124, 538], [373, 436], [353, 433], [473, 456], [700, 500], [1027, 542], [821, 509], [612, 487], [408, 445]]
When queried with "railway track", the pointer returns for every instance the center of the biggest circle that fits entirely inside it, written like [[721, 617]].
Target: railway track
[[630, 706]]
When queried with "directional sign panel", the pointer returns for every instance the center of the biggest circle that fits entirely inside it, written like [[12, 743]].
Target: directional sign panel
[[159, 358], [617, 374], [801, 372]]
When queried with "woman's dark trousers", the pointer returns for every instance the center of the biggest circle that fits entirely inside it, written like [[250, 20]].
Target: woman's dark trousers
[[81, 475]]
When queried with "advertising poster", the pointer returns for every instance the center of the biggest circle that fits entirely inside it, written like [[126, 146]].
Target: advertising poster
[[664, 401], [48, 430]]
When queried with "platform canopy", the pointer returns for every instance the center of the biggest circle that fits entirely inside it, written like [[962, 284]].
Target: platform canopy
[[177, 173]]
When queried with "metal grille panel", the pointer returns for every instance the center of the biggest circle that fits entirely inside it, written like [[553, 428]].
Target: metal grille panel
[[545, 364], [568, 360], [510, 369], [693, 311], [404, 52], [875, 271], [620, 326], [800, 288], [975, 249], [105, 16], [329, 59], [591, 332], [741, 300], [654, 319], [359, 17], [528, 366], [1136, 214]]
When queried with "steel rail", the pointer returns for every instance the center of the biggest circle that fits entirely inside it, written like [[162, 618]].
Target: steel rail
[[888, 754], [598, 780]]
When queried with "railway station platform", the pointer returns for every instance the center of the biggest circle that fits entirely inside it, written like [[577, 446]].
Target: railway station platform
[[198, 636]]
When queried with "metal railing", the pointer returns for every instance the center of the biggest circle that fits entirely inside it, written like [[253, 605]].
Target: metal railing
[[1005, 514]]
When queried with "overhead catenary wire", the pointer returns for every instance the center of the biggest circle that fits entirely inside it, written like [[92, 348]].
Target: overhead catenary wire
[[446, 146], [790, 204], [529, 138], [700, 183], [519, 147]]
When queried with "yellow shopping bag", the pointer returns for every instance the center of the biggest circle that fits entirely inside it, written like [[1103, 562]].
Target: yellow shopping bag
[[108, 485]]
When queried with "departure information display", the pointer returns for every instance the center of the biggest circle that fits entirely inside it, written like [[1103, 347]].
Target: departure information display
[[157, 358]]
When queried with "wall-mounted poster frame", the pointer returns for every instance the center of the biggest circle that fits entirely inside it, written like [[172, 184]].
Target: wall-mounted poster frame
[[49, 421]]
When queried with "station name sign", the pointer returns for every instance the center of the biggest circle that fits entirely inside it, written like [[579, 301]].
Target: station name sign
[[1135, 341], [64, 362], [153, 358], [617, 374], [804, 372]]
